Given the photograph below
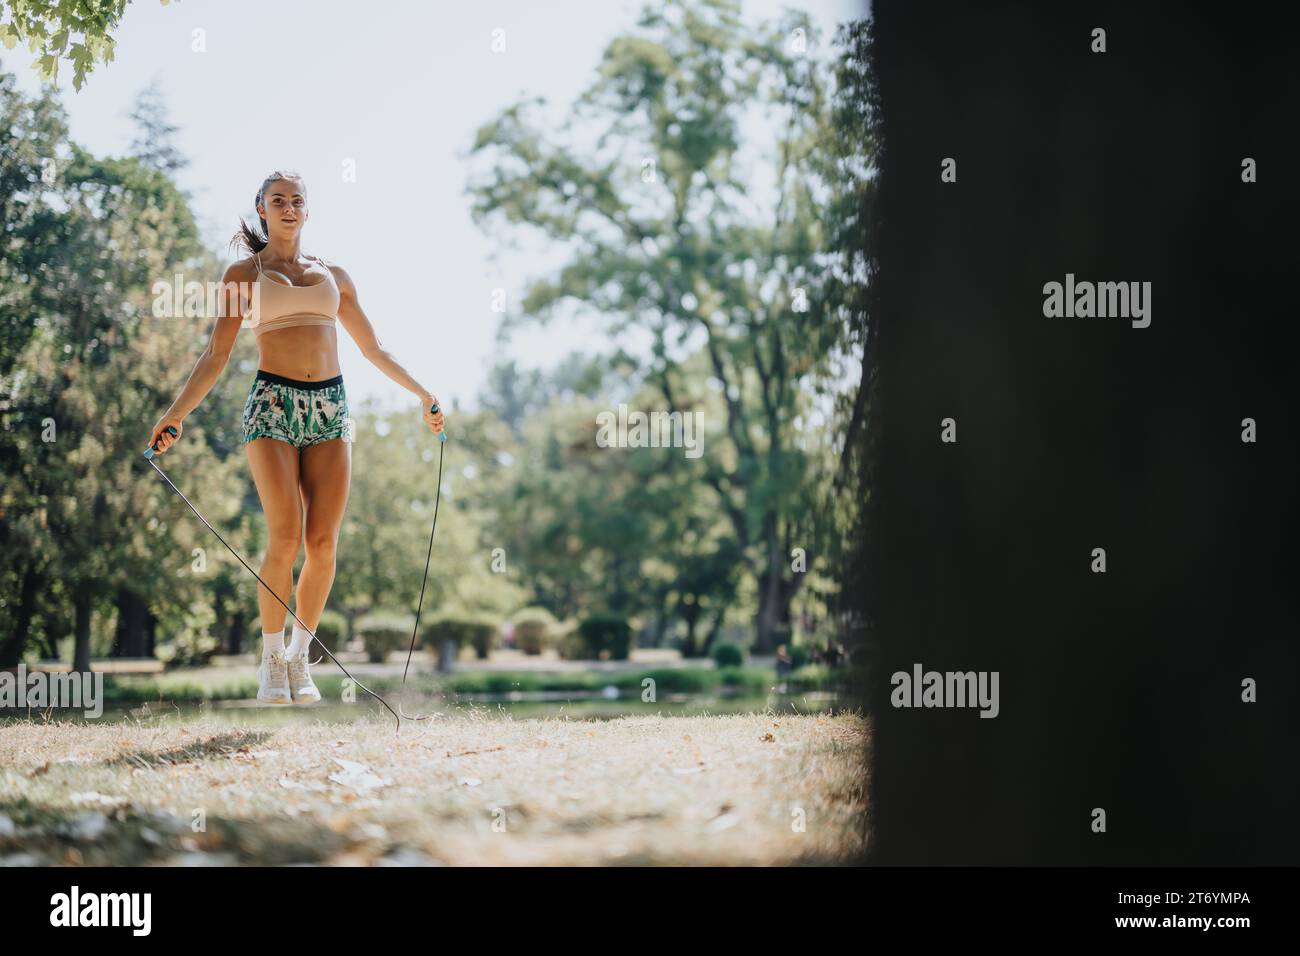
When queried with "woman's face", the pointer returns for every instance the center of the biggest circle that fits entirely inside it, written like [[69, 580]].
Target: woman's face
[[284, 207]]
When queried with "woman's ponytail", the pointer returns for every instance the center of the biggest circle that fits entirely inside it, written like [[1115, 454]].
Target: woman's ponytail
[[247, 236]]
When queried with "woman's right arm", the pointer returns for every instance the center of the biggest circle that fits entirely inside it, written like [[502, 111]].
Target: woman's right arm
[[210, 364]]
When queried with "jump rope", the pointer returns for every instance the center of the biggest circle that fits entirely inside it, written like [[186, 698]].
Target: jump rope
[[398, 714]]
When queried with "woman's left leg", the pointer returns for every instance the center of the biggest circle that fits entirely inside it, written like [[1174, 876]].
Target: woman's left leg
[[324, 477]]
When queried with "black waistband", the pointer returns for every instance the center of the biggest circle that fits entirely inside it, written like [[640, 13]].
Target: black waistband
[[294, 383]]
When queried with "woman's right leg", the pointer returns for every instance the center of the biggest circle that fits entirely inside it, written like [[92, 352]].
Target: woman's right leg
[[275, 472]]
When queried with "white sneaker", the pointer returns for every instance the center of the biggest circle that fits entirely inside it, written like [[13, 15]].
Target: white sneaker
[[300, 683], [273, 676]]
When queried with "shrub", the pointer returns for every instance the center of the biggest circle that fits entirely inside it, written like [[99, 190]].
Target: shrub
[[383, 633], [329, 631], [798, 655], [191, 644], [609, 633], [571, 647], [534, 629], [465, 630], [728, 654], [812, 677]]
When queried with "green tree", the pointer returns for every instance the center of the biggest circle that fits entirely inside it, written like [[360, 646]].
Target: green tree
[[87, 368], [514, 394], [384, 541], [153, 144], [845, 161], [666, 240], [51, 28]]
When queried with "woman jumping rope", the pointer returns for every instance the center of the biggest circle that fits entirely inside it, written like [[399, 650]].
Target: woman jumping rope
[[296, 416]]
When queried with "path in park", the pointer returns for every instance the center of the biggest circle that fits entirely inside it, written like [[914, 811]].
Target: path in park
[[738, 789]]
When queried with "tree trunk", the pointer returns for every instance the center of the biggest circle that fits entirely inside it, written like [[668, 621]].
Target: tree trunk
[[714, 629], [351, 615], [691, 614], [770, 611], [132, 619], [235, 636], [447, 652], [55, 625], [661, 623], [81, 652], [11, 651]]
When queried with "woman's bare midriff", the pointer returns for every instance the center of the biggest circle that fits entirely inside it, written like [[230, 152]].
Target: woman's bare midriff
[[308, 353]]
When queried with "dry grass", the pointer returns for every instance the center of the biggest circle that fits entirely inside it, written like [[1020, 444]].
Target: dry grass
[[755, 789]]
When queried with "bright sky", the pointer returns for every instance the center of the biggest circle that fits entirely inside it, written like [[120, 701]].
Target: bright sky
[[398, 88]]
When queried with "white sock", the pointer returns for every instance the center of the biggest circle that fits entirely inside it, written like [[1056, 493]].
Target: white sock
[[273, 643], [298, 644]]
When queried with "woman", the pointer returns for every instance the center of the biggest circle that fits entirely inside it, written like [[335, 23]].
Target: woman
[[296, 416]]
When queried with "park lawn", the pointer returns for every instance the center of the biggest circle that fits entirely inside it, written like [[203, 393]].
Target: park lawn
[[463, 789]]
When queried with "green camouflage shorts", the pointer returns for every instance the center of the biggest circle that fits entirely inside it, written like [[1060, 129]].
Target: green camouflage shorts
[[300, 413]]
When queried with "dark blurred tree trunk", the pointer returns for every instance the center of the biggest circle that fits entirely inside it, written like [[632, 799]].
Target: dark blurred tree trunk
[[133, 620], [714, 629], [776, 591], [235, 636], [11, 651], [54, 626], [690, 614], [351, 614], [769, 585], [661, 624], [81, 651]]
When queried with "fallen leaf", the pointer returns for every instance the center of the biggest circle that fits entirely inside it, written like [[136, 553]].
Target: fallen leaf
[[357, 776], [466, 753]]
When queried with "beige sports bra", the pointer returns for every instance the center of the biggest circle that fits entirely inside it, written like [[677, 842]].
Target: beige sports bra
[[284, 306]]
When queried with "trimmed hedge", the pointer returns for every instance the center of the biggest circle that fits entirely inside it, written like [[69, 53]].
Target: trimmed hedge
[[383, 633], [478, 631], [534, 629], [728, 654], [571, 647], [329, 631], [606, 633]]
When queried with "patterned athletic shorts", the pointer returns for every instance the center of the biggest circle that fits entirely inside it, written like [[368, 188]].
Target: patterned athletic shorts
[[300, 413]]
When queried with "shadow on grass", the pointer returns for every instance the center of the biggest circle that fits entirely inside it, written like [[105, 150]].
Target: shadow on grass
[[217, 746], [40, 835]]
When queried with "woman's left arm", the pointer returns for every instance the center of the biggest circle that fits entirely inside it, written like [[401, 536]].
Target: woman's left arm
[[358, 326]]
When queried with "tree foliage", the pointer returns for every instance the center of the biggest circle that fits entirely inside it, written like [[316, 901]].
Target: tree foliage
[[756, 309], [79, 31], [666, 239]]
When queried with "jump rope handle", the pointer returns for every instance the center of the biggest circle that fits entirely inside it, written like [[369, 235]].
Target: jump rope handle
[[148, 452], [433, 410]]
